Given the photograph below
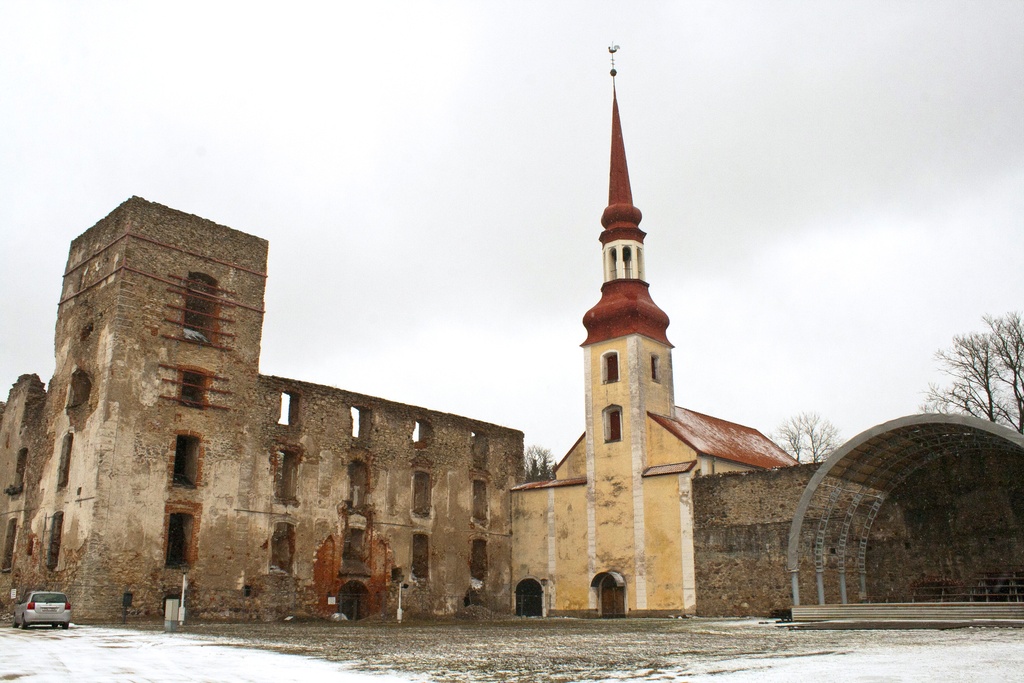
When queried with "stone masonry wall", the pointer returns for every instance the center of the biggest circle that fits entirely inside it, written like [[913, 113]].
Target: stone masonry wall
[[741, 536]]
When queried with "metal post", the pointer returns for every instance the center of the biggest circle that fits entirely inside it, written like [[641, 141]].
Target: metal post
[[794, 577], [401, 589], [184, 587], [820, 578]]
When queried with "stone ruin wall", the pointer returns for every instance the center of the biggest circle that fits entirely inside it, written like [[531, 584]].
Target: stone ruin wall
[[741, 537], [114, 324]]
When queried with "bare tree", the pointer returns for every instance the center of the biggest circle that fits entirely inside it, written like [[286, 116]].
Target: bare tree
[[808, 437], [539, 463], [986, 371]]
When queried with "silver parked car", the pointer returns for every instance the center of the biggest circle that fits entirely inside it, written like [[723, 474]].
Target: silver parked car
[[43, 607]]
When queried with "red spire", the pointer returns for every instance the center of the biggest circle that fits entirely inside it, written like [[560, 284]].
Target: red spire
[[620, 212], [626, 306]]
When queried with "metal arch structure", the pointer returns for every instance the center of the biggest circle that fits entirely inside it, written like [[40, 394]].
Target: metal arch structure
[[846, 492]]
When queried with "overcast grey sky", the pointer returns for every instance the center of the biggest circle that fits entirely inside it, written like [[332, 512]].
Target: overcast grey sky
[[831, 190]]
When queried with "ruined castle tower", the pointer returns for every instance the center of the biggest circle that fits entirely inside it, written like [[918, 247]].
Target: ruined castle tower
[[159, 449]]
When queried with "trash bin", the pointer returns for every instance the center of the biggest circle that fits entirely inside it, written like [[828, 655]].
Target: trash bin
[[171, 614]]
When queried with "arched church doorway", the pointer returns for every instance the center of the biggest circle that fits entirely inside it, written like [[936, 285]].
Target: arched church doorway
[[529, 599], [611, 594], [353, 600]]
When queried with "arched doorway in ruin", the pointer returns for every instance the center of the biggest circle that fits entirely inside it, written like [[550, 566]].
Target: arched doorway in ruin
[[529, 598], [353, 600], [611, 594]]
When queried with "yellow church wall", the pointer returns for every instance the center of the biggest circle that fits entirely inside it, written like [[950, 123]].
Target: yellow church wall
[[662, 539], [574, 464], [664, 448], [571, 579], [659, 393], [529, 534]]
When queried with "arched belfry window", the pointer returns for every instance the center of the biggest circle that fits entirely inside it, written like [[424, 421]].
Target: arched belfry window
[[640, 264], [627, 262], [201, 308], [613, 263]]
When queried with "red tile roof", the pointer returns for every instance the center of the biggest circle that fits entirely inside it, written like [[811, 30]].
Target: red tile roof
[[727, 440]]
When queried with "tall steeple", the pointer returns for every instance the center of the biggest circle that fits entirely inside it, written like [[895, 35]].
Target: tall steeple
[[626, 306]]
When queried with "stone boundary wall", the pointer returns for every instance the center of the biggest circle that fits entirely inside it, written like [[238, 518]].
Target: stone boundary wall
[[741, 535]]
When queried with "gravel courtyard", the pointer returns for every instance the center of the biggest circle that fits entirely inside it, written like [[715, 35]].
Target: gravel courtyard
[[560, 650]]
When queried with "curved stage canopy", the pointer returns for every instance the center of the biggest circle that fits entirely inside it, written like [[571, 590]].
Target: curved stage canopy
[[843, 497]]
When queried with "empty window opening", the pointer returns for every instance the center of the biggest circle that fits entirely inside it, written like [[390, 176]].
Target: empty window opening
[[479, 447], [422, 433], [421, 493], [200, 316], [179, 538], [478, 560], [655, 368], [81, 387], [289, 414], [420, 556], [360, 422], [286, 479], [353, 547], [186, 461], [8, 557], [193, 388], [611, 367], [64, 467], [19, 470], [56, 530], [247, 591], [282, 547], [479, 500], [640, 263], [613, 264], [613, 424], [357, 483], [627, 261]]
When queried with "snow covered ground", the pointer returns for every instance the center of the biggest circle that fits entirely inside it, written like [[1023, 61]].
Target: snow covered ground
[[694, 651]]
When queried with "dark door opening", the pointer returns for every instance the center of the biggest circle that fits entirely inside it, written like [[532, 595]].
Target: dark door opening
[[529, 599], [353, 601]]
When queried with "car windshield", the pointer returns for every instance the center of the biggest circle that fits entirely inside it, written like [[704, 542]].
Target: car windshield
[[49, 597]]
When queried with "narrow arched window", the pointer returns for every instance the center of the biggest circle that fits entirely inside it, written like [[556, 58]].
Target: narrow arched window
[[64, 467], [612, 423], [614, 265], [610, 368], [627, 262]]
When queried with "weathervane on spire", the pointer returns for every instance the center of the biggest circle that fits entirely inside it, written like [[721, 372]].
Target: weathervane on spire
[[613, 48]]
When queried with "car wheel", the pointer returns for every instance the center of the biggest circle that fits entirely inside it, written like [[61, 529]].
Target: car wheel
[[53, 625], [65, 626]]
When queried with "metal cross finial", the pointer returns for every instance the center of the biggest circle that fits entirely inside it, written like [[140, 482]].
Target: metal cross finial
[[613, 48]]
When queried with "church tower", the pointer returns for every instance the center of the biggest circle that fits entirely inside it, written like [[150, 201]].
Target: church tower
[[628, 374]]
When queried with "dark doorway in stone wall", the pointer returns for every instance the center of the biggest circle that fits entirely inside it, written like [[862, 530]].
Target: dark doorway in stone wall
[[611, 594], [529, 599], [353, 601]]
